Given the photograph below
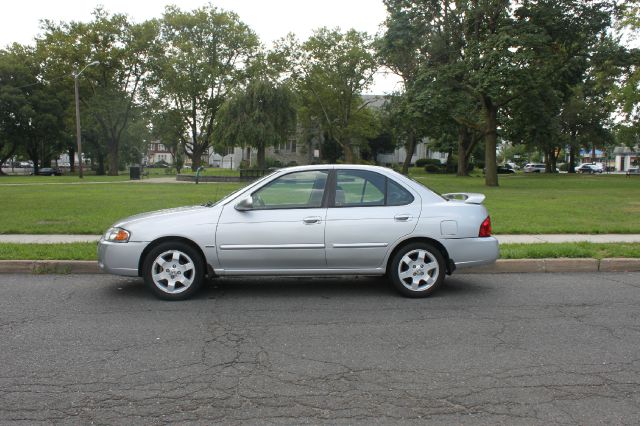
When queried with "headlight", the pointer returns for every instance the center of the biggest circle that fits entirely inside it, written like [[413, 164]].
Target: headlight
[[117, 235]]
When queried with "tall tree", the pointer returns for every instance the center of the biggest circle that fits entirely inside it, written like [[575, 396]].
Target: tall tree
[[32, 110], [111, 90], [260, 115], [199, 58], [331, 70]]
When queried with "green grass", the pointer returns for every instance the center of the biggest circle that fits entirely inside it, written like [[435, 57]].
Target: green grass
[[68, 251], [570, 250], [89, 208], [546, 204], [522, 204], [87, 251]]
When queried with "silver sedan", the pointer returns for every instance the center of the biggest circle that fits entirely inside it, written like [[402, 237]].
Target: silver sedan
[[308, 220]]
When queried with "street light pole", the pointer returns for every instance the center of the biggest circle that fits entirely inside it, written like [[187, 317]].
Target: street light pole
[[78, 132]]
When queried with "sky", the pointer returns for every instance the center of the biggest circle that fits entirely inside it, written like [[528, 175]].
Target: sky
[[270, 19]]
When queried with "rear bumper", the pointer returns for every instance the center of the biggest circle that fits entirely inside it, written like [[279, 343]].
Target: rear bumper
[[470, 252], [120, 258]]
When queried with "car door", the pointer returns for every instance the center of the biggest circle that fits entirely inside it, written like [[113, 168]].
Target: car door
[[367, 214], [282, 231]]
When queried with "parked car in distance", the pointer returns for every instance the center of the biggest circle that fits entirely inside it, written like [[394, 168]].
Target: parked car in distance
[[307, 221], [505, 170], [588, 168], [534, 168], [49, 171]]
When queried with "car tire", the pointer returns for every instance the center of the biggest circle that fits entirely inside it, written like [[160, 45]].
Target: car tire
[[427, 264], [173, 270]]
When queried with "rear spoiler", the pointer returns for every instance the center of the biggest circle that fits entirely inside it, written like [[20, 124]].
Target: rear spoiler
[[467, 197]]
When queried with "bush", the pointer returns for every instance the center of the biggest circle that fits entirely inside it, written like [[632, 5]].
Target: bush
[[432, 168], [424, 161]]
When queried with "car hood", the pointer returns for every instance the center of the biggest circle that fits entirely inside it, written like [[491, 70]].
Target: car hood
[[159, 215]]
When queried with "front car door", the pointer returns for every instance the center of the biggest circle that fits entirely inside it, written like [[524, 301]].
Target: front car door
[[282, 231], [367, 214]]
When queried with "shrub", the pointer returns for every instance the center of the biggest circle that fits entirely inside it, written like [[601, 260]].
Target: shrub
[[424, 161], [432, 168]]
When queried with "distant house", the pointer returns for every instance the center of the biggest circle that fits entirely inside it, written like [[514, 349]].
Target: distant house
[[626, 157], [157, 152]]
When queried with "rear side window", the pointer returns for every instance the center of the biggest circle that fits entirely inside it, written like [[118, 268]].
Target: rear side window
[[362, 188], [359, 188], [397, 195]]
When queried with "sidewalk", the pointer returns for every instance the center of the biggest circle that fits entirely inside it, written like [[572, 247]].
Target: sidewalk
[[503, 239]]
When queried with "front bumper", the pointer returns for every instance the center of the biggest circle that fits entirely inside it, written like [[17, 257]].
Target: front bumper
[[120, 258]]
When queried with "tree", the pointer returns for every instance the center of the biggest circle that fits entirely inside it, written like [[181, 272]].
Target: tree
[[169, 128], [627, 92], [15, 79], [569, 107], [199, 58], [31, 110], [331, 69], [110, 91], [260, 115]]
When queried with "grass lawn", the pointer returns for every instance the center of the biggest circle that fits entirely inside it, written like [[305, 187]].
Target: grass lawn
[[523, 204], [87, 251], [554, 203], [91, 208]]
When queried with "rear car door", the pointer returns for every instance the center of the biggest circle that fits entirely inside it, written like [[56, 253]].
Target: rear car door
[[367, 213]]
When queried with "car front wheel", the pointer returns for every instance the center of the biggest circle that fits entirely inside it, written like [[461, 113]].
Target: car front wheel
[[417, 270], [173, 271]]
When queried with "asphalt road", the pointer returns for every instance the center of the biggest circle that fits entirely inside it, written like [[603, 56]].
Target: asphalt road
[[487, 349]]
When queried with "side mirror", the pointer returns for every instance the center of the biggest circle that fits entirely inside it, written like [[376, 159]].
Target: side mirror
[[245, 204]]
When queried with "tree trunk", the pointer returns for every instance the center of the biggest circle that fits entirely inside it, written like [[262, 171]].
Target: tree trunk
[[466, 144], [260, 157], [410, 147], [572, 154], [100, 171], [112, 146], [72, 159], [490, 143], [347, 150], [196, 157]]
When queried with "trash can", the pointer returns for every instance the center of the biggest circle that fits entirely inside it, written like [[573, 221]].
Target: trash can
[[134, 172]]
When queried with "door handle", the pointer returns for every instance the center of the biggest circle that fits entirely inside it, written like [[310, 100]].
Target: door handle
[[402, 217], [312, 219]]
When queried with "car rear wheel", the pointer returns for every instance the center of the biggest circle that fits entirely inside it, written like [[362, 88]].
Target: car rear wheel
[[417, 270], [173, 271]]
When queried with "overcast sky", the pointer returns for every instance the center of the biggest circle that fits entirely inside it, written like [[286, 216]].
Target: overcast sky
[[271, 19]]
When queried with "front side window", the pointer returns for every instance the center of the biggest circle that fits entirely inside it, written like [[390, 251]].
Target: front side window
[[294, 190]]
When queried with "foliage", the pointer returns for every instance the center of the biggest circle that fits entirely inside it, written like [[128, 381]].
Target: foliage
[[198, 59], [31, 110], [424, 161], [330, 70], [111, 90], [260, 115]]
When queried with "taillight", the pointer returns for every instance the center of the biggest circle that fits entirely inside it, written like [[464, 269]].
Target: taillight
[[485, 228]]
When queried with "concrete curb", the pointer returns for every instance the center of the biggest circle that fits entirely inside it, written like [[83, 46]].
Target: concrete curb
[[502, 266]]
